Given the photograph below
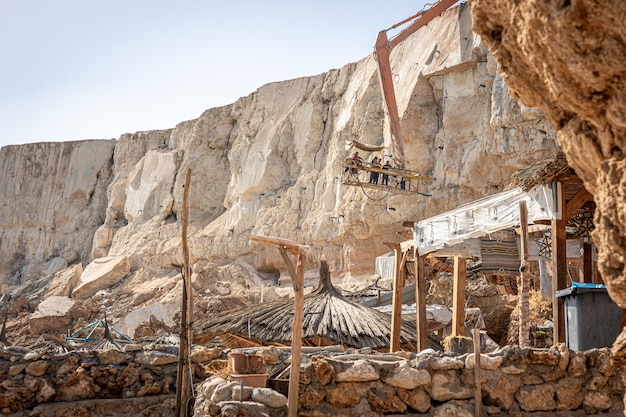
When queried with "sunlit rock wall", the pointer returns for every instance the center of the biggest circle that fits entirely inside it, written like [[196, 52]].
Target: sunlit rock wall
[[52, 200], [270, 164]]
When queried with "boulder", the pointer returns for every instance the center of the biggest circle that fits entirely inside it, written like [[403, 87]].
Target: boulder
[[100, 274], [52, 315]]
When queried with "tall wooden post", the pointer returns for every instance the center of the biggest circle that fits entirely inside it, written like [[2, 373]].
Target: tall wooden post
[[524, 294], [478, 394], [458, 297], [183, 377], [559, 269], [296, 340], [420, 303], [297, 280], [396, 303]]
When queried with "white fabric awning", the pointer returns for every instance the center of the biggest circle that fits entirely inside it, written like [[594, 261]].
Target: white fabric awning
[[485, 216]]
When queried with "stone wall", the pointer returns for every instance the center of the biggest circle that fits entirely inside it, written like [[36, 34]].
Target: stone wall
[[515, 382], [107, 382]]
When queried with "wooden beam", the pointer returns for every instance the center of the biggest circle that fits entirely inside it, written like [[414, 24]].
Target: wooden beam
[[458, 297], [396, 303], [559, 271], [524, 293], [290, 246], [576, 202], [420, 303]]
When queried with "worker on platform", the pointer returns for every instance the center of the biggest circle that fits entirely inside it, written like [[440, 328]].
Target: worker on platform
[[373, 174], [355, 160], [385, 180]]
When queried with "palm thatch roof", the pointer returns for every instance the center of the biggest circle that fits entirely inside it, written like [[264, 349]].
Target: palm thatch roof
[[328, 317], [539, 173]]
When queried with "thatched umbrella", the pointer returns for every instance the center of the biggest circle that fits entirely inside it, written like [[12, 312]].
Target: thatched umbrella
[[329, 318], [539, 173]]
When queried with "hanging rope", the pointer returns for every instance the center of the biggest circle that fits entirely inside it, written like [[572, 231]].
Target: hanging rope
[[356, 178]]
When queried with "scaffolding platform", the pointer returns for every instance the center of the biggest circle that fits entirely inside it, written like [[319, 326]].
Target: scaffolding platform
[[392, 180]]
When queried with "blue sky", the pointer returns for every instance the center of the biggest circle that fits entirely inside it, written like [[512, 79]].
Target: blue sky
[[87, 69]]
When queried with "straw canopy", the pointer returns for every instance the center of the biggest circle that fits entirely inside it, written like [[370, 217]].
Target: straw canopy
[[540, 173], [329, 318]]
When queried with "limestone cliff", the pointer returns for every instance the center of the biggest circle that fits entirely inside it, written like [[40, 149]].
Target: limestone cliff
[[52, 200], [270, 164]]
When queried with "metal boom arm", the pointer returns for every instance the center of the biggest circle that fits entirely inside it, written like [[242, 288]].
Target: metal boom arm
[[382, 50]]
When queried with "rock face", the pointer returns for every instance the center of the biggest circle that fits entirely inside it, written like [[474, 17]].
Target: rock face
[[567, 58], [270, 164], [52, 200]]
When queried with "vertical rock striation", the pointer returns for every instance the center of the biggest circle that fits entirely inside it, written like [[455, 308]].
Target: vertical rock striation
[[52, 200], [270, 164]]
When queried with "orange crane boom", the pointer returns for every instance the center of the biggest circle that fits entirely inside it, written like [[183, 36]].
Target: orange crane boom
[[382, 50]]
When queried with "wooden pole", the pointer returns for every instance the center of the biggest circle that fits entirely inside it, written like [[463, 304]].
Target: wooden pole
[[458, 297], [420, 303], [559, 269], [297, 279], [478, 395], [296, 340], [183, 377], [524, 294], [396, 303]]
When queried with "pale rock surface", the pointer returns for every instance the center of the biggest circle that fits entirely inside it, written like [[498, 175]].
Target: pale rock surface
[[269, 397], [447, 363], [54, 265], [100, 274], [155, 358], [64, 281], [486, 361], [160, 311], [52, 200], [358, 371], [201, 354], [404, 376], [268, 164], [53, 314]]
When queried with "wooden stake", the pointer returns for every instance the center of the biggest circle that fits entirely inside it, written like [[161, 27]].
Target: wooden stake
[[420, 303], [559, 269], [524, 294], [396, 303], [296, 340], [478, 395], [183, 377], [458, 297]]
